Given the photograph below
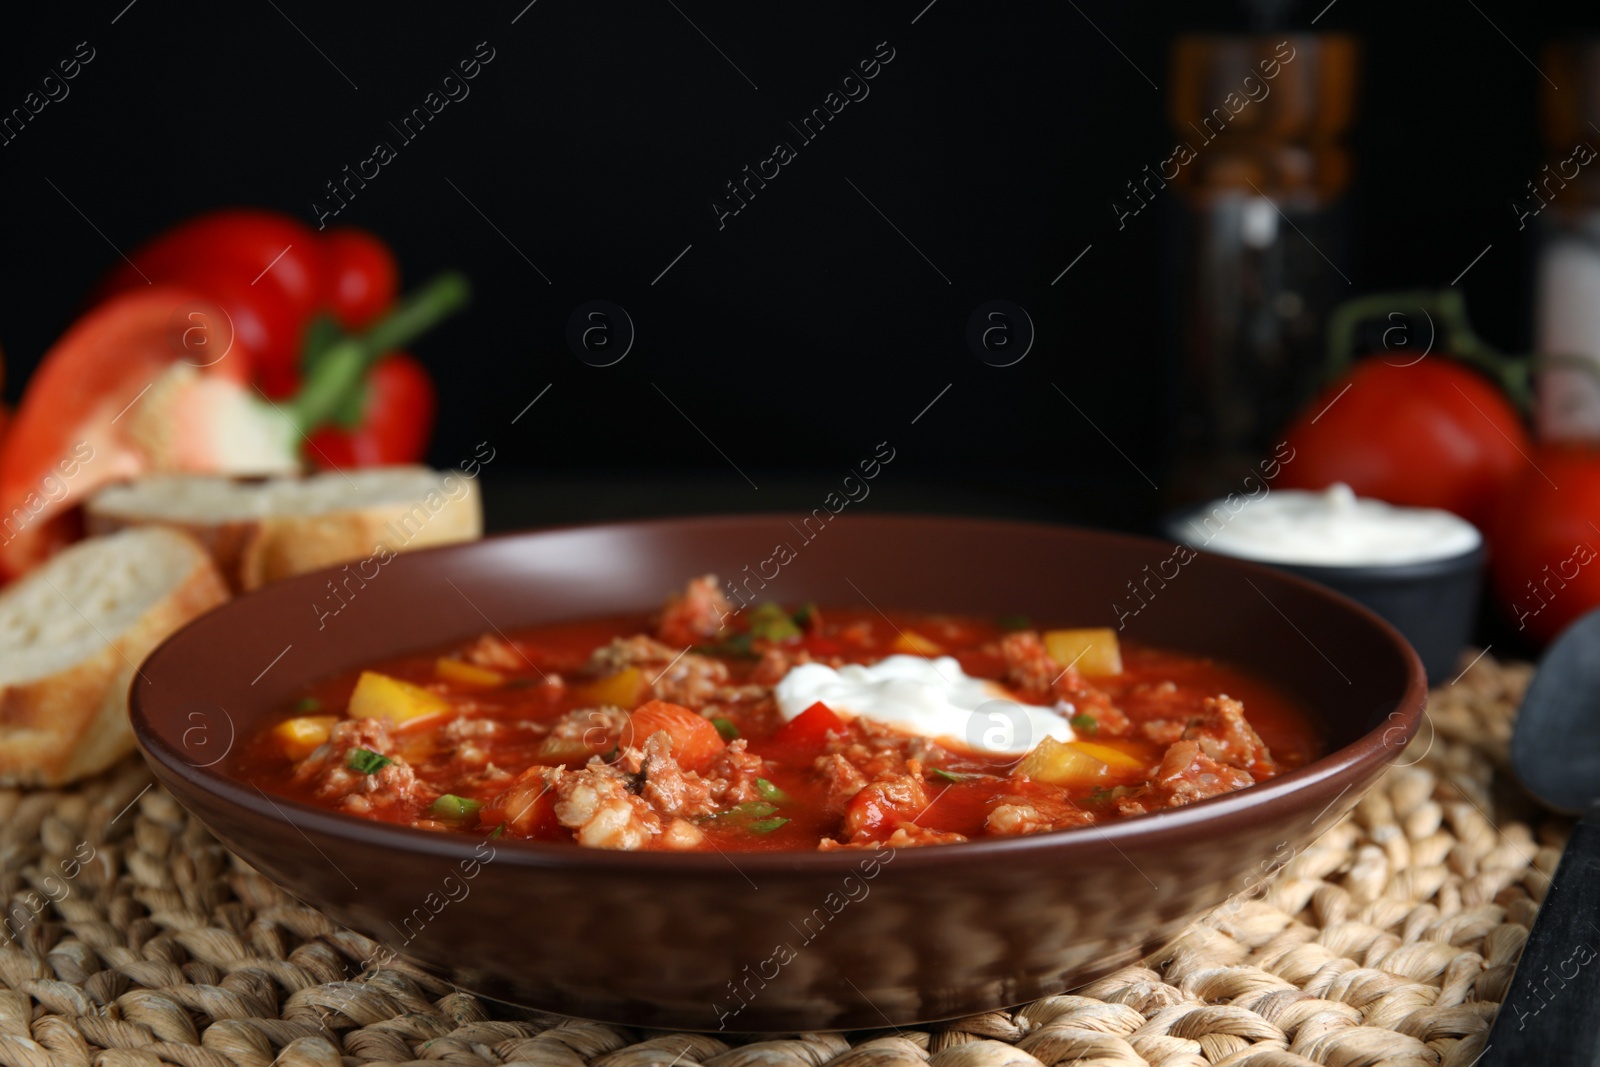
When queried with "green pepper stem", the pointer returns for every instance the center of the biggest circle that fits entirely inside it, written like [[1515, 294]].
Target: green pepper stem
[[1454, 337], [343, 367]]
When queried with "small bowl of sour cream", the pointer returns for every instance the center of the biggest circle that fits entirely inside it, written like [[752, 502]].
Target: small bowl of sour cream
[[1419, 568]]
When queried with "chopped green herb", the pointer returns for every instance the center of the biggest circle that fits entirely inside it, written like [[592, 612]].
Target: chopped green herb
[[766, 826], [1014, 622], [755, 809], [1087, 723], [807, 617], [951, 776], [771, 623], [451, 806], [1099, 795], [726, 728], [750, 809], [498, 831], [737, 646], [770, 791], [307, 704], [366, 761]]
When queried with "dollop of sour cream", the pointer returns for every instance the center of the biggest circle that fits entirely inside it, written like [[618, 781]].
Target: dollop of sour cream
[[1331, 528], [929, 697]]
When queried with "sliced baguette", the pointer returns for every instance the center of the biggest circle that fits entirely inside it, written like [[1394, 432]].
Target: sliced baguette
[[260, 530], [72, 632]]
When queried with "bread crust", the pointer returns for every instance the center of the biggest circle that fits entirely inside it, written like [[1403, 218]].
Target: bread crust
[[254, 552], [74, 723]]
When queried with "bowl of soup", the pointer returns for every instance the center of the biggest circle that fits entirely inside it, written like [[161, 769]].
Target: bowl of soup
[[777, 772]]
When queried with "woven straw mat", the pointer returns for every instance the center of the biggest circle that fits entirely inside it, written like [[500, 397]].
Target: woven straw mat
[[1391, 940]]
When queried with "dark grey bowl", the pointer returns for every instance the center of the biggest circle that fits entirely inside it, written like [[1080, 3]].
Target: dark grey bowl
[[1434, 604]]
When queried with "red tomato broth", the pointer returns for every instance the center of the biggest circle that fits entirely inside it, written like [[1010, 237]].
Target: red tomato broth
[[1154, 684]]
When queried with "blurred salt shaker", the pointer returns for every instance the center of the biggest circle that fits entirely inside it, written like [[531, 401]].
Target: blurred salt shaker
[[1261, 168]]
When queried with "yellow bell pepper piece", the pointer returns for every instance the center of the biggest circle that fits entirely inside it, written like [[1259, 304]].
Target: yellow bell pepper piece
[[1114, 758], [1091, 651], [564, 750], [1056, 763], [463, 673], [414, 747], [625, 689], [912, 643], [300, 736], [378, 696]]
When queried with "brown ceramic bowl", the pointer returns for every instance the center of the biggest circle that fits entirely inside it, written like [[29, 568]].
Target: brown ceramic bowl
[[780, 941]]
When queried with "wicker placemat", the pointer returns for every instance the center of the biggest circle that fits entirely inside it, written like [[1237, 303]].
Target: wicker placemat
[[136, 939]]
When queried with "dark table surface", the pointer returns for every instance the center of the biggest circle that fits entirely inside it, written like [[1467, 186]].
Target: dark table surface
[[518, 501]]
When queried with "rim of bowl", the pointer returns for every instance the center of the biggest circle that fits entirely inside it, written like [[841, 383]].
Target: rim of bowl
[[1172, 523], [1363, 753]]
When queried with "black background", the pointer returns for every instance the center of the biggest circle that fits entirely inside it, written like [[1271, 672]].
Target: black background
[[808, 330]]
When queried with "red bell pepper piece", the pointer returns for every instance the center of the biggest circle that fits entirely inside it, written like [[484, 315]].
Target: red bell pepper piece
[[809, 730]]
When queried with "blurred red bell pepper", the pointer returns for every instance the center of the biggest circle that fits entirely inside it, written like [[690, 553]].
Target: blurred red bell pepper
[[265, 269], [156, 379], [362, 277], [394, 419], [273, 275], [77, 428]]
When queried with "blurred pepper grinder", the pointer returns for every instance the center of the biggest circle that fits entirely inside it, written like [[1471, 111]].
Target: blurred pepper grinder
[[1262, 240], [1562, 205]]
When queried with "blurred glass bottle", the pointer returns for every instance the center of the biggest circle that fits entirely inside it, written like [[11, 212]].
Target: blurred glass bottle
[[1562, 204], [1262, 168]]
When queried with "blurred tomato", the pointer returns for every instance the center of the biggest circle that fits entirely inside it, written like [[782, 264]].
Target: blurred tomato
[[1545, 541], [1433, 434]]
